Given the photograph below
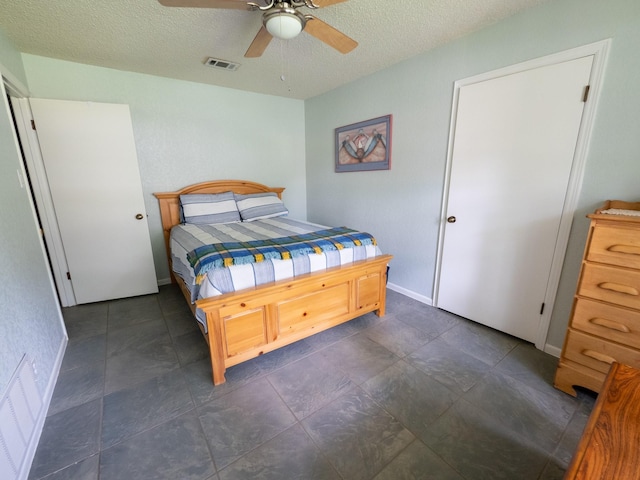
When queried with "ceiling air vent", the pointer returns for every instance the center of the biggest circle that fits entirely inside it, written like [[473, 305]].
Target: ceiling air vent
[[221, 64]]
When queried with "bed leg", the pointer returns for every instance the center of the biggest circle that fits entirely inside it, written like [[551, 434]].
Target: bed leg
[[383, 294], [218, 377], [216, 349]]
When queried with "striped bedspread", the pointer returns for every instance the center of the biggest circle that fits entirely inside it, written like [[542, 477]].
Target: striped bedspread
[[216, 281], [220, 255]]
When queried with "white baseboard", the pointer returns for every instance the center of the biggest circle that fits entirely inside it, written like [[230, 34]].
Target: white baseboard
[[552, 350], [409, 293], [164, 281]]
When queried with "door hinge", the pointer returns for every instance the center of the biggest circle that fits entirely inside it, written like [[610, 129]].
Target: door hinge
[[542, 308], [585, 95], [33, 124], [68, 275]]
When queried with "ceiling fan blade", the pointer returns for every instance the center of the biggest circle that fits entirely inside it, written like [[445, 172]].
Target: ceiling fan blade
[[329, 35], [259, 44], [326, 3], [230, 4]]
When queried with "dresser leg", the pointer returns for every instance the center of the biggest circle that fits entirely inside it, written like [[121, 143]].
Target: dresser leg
[[572, 374], [564, 384]]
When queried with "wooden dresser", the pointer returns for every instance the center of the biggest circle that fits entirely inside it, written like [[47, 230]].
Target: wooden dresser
[[605, 320], [610, 445]]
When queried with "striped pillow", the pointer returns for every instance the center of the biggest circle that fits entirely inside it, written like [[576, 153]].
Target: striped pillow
[[209, 208], [260, 205]]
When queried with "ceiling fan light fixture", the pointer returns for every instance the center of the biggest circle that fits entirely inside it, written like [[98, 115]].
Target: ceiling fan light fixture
[[284, 24]]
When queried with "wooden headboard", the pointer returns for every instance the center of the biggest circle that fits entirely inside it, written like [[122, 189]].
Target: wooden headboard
[[170, 201]]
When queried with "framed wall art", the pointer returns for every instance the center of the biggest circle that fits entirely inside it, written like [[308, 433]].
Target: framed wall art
[[364, 145]]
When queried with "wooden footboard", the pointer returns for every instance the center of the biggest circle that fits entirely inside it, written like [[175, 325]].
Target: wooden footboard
[[246, 324], [243, 325]]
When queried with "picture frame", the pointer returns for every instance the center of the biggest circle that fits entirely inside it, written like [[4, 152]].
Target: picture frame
[[364, 146]]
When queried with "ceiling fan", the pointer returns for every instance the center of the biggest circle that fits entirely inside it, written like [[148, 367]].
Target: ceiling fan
[[280, 18]]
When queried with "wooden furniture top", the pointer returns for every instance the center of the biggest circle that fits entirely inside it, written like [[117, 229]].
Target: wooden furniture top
[[616, 204], [610, 445]]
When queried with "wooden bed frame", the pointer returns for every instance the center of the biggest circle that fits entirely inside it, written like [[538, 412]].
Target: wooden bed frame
[[245, 324]]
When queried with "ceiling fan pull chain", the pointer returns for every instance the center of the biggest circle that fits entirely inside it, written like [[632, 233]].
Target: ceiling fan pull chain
[[284, 66], [282, 77], [288, 68]]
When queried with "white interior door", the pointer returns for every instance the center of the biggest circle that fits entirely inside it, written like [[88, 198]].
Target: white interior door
[[91, 165], [514, 144]]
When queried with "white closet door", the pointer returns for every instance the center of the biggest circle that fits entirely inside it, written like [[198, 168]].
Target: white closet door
[[513, 150], [91, 164]]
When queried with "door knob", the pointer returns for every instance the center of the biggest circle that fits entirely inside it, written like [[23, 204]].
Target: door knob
[[451, 219], [139, 216]]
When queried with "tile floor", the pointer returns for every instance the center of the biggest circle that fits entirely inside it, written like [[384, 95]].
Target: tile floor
[[418, 394]]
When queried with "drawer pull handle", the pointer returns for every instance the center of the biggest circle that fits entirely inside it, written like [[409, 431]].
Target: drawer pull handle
[[616, 287], [610, 324], [601, 357], [629, 249]]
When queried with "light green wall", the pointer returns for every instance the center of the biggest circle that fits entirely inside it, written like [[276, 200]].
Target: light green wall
[[187, 132], [30, 321], [403, 204]]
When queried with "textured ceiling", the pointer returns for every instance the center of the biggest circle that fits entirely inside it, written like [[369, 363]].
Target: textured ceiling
[[144, 36]]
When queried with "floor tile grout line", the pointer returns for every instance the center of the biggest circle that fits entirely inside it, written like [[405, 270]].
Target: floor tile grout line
[[209, 448], [415, 435], [319, 448]]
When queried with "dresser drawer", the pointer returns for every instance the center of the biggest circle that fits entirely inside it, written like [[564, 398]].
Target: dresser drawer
[[597, 353], [615, 285], [603, 320], [615, 245]]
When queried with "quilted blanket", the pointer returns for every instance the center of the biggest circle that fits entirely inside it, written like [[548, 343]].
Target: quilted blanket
[[221, 255]]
